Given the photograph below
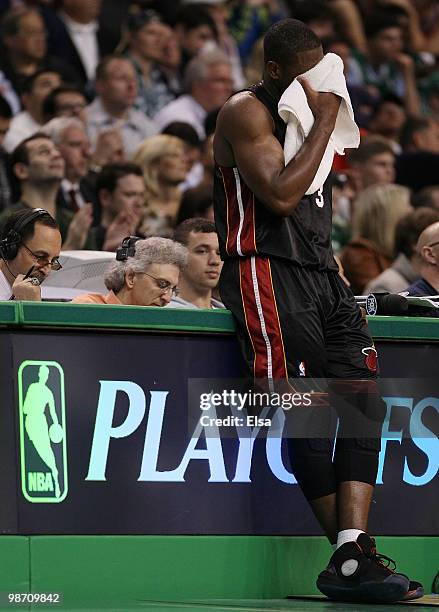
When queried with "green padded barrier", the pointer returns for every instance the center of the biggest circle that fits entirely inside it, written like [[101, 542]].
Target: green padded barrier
[[180, 319], [9, 313], [126, 317]]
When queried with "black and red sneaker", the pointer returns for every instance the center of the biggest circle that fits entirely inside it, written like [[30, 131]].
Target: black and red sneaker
[[415, 590], [353, 575]]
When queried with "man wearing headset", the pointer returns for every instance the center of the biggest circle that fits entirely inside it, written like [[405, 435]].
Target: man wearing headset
[[30, 244]]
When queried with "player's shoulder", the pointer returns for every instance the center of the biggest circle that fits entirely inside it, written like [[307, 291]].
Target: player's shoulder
[[241, 101], [242, 110]]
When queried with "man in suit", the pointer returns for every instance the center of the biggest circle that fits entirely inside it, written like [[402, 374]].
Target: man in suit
[[76, 36]]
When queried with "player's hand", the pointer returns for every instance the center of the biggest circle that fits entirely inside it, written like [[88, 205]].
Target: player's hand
[[324, 105], [26, 289]]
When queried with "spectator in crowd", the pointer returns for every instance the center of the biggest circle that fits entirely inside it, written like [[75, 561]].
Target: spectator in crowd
[[209, 83], [219, 11], [30, 244], [5, 122], [69, 135], [77, 38], [192, 151], [38, 167], [121, 194], [144, 45], [248, 21], [196, 202], [385, 68], [113, 107], [417, 166], [387, 120], [65, 101], [194, 29], [427, 264], [317, 14], [429, 196], [24, 50], [377, 211], [145, 274], [164, 168], [200, 277], [30, 120], [170, 61], [373, 163], [402, 272]]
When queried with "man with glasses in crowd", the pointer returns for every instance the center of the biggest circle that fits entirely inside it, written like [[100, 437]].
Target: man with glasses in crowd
[[30, 244], [145, 273]]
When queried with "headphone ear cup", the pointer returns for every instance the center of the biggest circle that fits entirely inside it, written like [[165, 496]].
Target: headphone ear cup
[[9, 245]]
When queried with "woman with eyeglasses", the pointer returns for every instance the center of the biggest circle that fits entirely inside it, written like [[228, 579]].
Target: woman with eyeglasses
[[145, 273]]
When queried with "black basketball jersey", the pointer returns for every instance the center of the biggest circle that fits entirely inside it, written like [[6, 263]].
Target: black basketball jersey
[[247, 227]]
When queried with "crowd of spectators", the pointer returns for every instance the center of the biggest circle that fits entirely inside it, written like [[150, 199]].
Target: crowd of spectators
[[108, 109]]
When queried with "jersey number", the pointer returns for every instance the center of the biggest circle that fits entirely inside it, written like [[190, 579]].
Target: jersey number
[[319, 199]]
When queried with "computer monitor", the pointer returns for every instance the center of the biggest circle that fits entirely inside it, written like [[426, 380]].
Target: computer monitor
[[81, 272]]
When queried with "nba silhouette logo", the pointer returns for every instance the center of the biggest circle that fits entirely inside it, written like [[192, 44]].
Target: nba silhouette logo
[[43, 442], [302, 369]]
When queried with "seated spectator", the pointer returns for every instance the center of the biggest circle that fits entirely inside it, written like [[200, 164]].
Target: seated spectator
[[209, 83], [219, 11], [64, 101], [427, 264], [429, 196], [377, 210], [116, 89], [373, 163], [402, 272], [192, 151], [144, 44], [385, 68], [69, 135], [417, 165], [194, 29], [24, 51], [121, 195], [145, 273], [76, 37], [196, 202], [30, 120], [164, 169], [38, 167], [30, 244], [387, 120], [201, 275], [5, 122]]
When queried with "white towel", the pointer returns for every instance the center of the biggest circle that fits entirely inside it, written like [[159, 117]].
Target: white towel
[[293, 107]]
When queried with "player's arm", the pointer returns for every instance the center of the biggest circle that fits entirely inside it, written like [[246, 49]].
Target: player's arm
[[247, 127]]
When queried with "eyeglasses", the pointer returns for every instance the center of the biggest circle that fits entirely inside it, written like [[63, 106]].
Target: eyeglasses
[[433, 244], [162, 284], [43, 261]]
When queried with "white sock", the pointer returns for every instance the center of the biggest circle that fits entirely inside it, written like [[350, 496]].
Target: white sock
[[347, 535]]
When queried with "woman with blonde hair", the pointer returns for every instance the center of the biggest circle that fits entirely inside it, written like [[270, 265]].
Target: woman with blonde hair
[[377, 210], [164, 168]]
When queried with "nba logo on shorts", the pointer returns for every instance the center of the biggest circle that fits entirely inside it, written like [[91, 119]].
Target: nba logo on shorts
[[43, 443], [302, 369]]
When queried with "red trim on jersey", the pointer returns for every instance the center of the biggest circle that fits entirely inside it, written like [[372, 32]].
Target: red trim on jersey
[[247, 240], [268, 312], [232, 212]]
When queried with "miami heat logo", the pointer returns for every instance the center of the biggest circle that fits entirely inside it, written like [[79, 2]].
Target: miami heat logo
[[370, 358]]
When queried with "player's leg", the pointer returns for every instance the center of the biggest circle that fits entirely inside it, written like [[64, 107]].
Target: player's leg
[[280, 333], [355, 570]]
